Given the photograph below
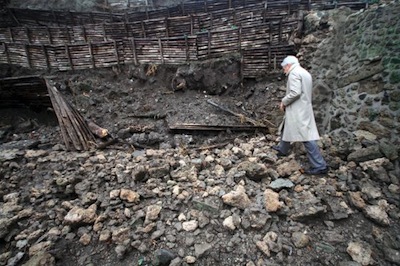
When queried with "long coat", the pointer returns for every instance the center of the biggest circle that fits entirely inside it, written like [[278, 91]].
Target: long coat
[[299, 123]]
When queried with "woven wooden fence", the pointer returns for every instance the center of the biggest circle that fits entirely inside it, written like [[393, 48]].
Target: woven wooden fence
[[260, 32], [172, 50], [51, 17]]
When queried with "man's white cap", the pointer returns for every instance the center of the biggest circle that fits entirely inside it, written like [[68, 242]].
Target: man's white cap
[[290, 59]]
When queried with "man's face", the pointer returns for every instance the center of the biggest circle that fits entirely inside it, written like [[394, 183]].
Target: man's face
[[286, 68]]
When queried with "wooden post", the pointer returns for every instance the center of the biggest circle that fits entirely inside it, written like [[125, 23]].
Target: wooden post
[[104, 32], [205, 6], [161, 50], [49, 35], [187, 48], [84, 33], [280, 30], [7, 54], [209, 43], [265, 12], [309, 5], [269, 57], [147, 13], [229, 3], [191, 24], [28, 35], [183, 8], [270, 32], [242, 67], [11, 34], [91, 55], [28, 59], [126, 29], [289, 6], [68, 36], [240, 37], [69, 56], [111, 17], [211, 20], [46, 57], [166, 27], [116, 51], [135, 60], [143, 30]]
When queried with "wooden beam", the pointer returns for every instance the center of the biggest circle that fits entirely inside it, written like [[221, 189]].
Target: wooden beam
[[207, 127]]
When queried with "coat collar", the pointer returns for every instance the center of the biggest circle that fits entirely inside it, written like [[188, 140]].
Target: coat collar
[[291, 68]]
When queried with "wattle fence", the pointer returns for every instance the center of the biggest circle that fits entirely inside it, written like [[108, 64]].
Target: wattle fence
[[260, 32]]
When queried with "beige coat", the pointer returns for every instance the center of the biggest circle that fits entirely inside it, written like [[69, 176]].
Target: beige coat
[[299, 123]]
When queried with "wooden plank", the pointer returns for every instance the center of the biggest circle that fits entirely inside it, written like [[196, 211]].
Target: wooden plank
[[207, 127]]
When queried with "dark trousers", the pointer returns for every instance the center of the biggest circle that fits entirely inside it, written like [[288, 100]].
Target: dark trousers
[[313, 153]]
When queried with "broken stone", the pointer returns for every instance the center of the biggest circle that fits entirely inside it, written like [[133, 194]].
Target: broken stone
[[360, 252], [129, 196], [79, 215], [377, 214], [237, 198], [271, 201]]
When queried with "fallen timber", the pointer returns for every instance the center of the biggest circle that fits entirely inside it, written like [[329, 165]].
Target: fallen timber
[[242, 117], [75, 131], [203, 127]]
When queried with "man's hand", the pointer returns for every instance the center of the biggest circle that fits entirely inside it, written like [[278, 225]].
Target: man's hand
[[282, 107]]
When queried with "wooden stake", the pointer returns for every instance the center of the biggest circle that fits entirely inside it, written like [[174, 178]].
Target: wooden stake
[[28, 59], [166, 27], [7, 54], [27, 35], [143, 30], [135, 60], [116, 52], [46, 56], [161, 50], [49, 35], [187, 48], [68, 36], [104, 32], [209, 43], [11, 34], [91, 55], [84, 33], [69, 56]]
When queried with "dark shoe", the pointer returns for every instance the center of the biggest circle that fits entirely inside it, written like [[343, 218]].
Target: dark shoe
[[276, 147], [313, 171], [279, 154]]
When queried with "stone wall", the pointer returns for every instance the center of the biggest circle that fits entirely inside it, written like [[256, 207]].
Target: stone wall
[[356, 70]]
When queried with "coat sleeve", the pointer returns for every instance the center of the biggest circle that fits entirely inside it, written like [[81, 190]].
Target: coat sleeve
[[294, 86]]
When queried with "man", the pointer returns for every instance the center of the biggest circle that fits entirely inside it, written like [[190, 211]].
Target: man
[[299, 123]]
